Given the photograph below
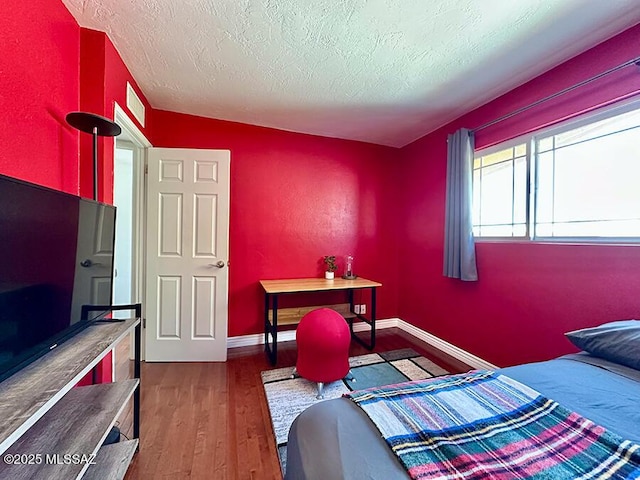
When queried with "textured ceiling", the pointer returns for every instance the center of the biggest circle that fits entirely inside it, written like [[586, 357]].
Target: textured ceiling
[[380, 71]]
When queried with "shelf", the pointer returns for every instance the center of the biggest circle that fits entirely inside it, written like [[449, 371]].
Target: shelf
[[76, 425], [33, 391], [292, 316], [112, 461]]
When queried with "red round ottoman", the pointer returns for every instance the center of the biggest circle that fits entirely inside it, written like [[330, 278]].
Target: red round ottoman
[[323, 340]]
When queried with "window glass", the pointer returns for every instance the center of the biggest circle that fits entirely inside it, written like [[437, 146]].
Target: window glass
[[544, 187], [545, 144], [497, 157], [499, 192], [520, 191], [592, 190], [496, 202], [585, 183], [599, 129]]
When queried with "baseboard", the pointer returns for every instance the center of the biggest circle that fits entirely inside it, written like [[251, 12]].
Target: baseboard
[[456, 352], [380, 324], [448, 348], [258, 339]]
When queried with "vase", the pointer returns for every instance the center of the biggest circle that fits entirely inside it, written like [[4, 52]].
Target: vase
[[329, 275]]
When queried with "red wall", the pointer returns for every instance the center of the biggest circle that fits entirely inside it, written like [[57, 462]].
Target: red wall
[[38, 87], [103, 82], [295, 198], [528, 294]]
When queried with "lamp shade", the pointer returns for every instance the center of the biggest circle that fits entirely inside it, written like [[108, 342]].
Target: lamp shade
[[86, 122], [96, 125]]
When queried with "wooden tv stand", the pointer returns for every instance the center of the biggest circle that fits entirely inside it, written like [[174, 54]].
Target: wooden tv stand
[[56, 431]]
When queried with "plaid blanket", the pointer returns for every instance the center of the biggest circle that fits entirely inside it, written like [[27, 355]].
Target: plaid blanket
[[483, 425]]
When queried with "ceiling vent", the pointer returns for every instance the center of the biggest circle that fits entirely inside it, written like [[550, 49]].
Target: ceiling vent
[[134, 104]]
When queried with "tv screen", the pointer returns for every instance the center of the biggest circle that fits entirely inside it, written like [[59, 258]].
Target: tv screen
[[56, 256]]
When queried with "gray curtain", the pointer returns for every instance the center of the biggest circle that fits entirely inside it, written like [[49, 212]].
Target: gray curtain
[[459, 247]]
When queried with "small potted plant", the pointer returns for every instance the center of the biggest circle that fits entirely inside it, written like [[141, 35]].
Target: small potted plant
[[331, 267]]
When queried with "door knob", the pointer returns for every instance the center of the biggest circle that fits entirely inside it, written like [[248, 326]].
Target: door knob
[[87, 263], [219, 264]]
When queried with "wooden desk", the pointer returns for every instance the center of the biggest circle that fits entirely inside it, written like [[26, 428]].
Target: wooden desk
[[274, 288]]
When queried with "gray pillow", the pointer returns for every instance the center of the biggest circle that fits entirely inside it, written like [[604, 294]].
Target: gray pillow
[[616, 341]]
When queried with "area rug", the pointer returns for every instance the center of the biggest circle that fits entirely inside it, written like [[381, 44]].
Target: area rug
[[288, 397]]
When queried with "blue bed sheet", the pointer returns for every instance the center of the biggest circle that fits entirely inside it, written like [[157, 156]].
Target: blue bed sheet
[[608, 394]]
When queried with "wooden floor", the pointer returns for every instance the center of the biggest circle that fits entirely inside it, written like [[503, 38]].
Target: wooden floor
[[210, 420]]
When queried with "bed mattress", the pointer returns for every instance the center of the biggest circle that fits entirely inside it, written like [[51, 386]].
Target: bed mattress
[[335, 439]]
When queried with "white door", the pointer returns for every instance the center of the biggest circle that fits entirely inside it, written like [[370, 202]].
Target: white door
[[92, 282], [187, 255]]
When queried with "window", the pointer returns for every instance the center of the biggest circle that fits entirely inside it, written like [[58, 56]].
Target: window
[[577, 181], [500, 193]]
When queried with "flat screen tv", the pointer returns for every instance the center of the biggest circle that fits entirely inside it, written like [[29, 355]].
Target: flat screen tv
[[56, 255]]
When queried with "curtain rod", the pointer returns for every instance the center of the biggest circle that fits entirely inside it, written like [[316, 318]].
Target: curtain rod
[[635, 61]]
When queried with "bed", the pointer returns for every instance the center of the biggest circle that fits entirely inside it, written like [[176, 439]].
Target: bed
[[337, 440]]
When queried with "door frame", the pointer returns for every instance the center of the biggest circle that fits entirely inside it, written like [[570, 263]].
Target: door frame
[[135, 136], [124, 144]]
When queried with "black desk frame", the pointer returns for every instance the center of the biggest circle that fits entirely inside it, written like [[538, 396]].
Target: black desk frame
[[371, 322], [271, 303]]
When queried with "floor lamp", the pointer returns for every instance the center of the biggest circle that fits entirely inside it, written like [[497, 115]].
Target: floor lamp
[[97, 126]]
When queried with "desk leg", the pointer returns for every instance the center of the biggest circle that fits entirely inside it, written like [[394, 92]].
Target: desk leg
[[271, 328], [373, 318], [372, 323], [267, 324], [136, 374], [351, 307], [274, 332]]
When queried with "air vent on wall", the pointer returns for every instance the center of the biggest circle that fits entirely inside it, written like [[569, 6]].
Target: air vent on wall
[[134, 104]]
